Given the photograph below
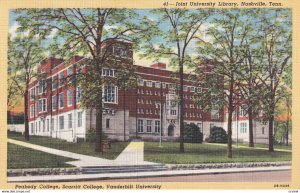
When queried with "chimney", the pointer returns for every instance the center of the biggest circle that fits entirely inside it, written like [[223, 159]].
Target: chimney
[[159, 65]]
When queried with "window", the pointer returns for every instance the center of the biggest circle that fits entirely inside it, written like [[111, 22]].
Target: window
[[192, 106], [164, 85], [61, 122], [42, 105], [52, 123], [70, 71], [107, 123], [192, 89], [39, 126], [44, 125], [157, 84], [32, 128], [54, 103], [107, 72], [157, 126], [185, 88], [173, 112], [61, 100], [141, 82], [211, 125], [140, 126], [31, 110], [263, 130], [149, 83], [79, 119], [70, 121], [78, 94], [243, 110], [48, 126], [110, 94], [54, 82], [120, 51], [32, 95], [70, 97], [149, 123], [42, 86], [61, 79], [198, 90], [215, 114], [243, 127]]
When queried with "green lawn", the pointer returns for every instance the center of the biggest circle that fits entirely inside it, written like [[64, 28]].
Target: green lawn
[[284, 147], [84, 148], [207, 153], [19, 157]]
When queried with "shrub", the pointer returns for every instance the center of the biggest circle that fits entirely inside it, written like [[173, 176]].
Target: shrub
[[217, 135], [192, 134], [91, 135]]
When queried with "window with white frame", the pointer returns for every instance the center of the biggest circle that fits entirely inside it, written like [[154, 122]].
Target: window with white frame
[[185, 88], [61, 100], [149, 83], [149, 125], [32, 128], [61, 78], [173, 112], [108, 72], [78, 94], [70, 97], [140, 126], [61, 121], [157, 126], [48, 126], [192, 89], [107, 124], [42, 86], [54, 103], [243, 127], [198, 89], [110, 94], [70, 121], [54, 82], [31, 110], [141, 82], [52, 124], [42, 105], [79, 119], [243, 110], [157, 84], [163, 85], [44, 125], [215, 115], [120, 51], [32, 95]]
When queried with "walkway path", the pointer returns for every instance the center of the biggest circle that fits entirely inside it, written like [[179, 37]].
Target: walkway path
[[133, 154]]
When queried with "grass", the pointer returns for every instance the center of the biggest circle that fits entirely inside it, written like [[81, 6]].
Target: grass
[[84, 148], [207, 153], [19, 157], [284, 147]]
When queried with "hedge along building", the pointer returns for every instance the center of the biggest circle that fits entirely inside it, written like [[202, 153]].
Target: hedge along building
[[150, 107]]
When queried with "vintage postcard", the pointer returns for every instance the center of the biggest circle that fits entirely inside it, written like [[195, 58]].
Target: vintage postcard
[[149, 95]]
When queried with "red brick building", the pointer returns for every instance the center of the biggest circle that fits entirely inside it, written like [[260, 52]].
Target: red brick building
[[54, 107]]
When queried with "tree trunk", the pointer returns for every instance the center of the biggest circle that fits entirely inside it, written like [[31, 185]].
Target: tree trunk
[[124, 107], [98, 144], [230, 112], [181, 106], [271, 121], [287, 133], [250, 116], [26, 134]]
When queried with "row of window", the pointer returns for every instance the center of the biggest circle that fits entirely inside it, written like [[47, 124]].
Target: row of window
[[164, 85], [45, 125], [148, 127]]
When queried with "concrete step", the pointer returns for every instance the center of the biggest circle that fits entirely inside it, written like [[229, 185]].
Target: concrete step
[[122, 169]]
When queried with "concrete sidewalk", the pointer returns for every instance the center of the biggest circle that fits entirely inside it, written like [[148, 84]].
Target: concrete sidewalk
[[84, 177], [133, 154]]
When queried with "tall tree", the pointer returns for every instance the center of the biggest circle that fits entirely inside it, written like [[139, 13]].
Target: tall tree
[[221, 56], [172, 40], [94, 33], [276, 51], [24, 54]]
